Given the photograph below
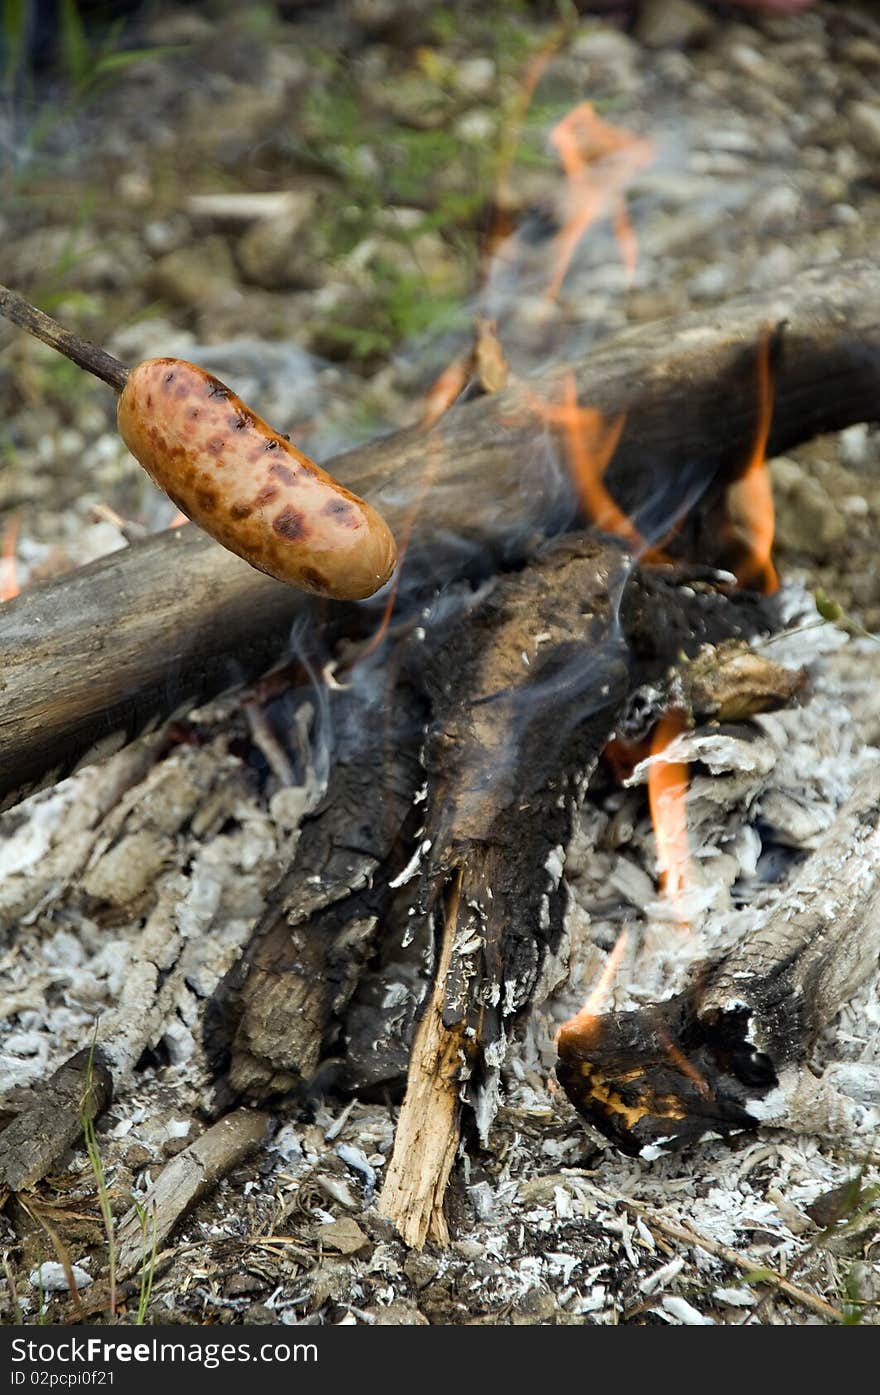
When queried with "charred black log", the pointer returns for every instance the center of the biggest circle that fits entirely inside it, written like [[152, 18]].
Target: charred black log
[[712, 1060]]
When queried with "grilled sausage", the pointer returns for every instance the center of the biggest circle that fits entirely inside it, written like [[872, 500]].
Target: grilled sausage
[[249, 487]]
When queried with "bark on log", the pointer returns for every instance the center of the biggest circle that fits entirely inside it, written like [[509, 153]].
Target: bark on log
[[80, 1089], [88, 660], [711, 1059]]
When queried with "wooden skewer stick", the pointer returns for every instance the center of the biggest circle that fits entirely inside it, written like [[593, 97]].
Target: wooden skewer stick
[[79, 351]]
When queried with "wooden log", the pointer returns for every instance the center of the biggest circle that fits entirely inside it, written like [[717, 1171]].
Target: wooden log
[[712, 1060], [88, 660], [80, 1089], [183, 1181]]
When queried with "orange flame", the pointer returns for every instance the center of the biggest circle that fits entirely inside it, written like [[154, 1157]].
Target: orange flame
[[583, 1021], [590, 442], [751, 497], [599, 161], [667, 799], [9, 587]]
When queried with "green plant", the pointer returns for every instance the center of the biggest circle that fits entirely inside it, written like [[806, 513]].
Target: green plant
[[87, 66], [87, 1121], [148, 1260], [834, 612]]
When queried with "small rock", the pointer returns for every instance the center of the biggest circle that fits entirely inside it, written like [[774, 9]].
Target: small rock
[[778, 206], [476, 127], [344, 1235], [133, 188], [236, 211], [864, 124], [137, 1156], [240, 1285], [468, 1249], [258, 1315], [864, 53], [775, 268], [809, 521], [536, 1305], [199, 277], [276, 253], [164, 235], [673, 24], [608, 56], [50, 1277], [398, 1315], [420, 1269], [711, 282], [854, 444], [475, 76]]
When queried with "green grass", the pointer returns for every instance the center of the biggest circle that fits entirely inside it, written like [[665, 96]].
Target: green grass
[[149, 1244], [87, 1121]]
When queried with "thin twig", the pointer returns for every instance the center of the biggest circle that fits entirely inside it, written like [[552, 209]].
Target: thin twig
[[79, 351], [689, 1237]]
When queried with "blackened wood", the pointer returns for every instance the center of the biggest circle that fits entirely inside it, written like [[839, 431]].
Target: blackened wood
[[279, 1012], [92, 657], [709, 1059]]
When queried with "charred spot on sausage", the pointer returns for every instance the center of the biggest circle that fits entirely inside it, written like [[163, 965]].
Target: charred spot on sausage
[[342, 512], [290, 525]]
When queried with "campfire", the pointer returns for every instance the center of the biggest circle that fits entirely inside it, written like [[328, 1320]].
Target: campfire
[[572, 813]]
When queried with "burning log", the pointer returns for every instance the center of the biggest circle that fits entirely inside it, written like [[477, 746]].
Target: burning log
[[95, 657], [723, 1056], [519, 688]]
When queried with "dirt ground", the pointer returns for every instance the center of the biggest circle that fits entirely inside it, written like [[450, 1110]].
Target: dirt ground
[[298, 198]]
